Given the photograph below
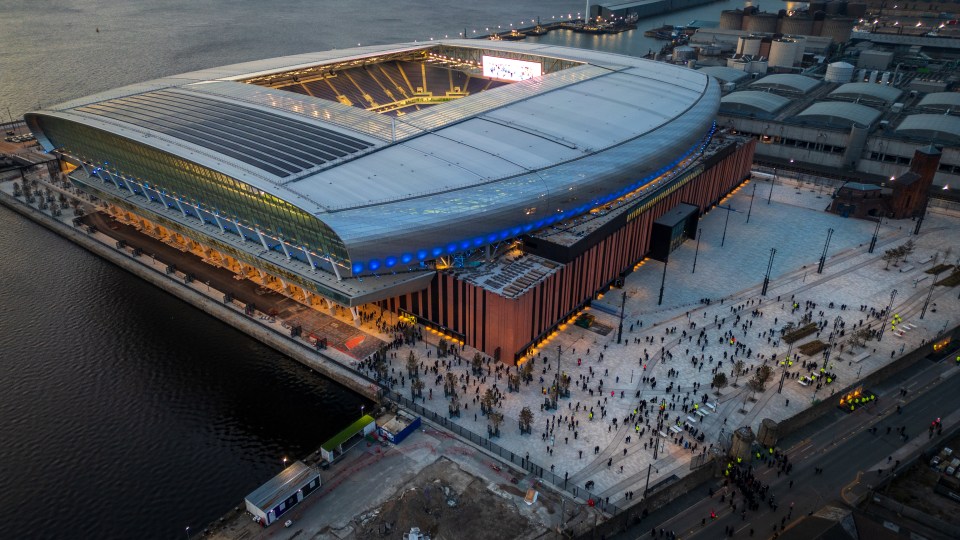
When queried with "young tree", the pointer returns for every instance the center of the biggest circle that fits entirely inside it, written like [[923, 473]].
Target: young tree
[[413, 367], [526, 420], [527, 371], [888, 257], [495, 418], [487, 402], [454, 406], [477, 364], [450, 384], [442, 348], [513, 382], [737, 370], [907, 249], [416, 388], [719, 381]]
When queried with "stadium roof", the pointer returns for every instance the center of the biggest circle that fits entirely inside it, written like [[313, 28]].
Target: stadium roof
[[867, 92], [460, 174], [839, 114], [787, 82], [725, 74], [752, 102], [934, 127], [941, 100]]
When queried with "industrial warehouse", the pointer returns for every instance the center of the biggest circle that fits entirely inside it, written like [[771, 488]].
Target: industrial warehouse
[[487, 190]]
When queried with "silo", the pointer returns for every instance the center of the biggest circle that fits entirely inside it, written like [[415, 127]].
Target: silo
[[885, 79], [857, 10], [769, 433], [798, 24], [861, 75], [833, 7], [761, 22], [838, 28], [801, 42], [839, 72], [817, 5], [749, 45], [783, 53], [684, 53], [731, 19], [873, 76], [818, 17]]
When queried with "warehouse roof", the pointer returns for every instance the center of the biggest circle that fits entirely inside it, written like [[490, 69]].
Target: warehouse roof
[[941, 101], [752, 102], [839, 114], [282, 486], [725, 74], [867, 92], [787, 82], [935, 127]]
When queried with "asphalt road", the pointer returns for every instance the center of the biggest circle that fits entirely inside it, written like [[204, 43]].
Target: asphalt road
[[839, 443]]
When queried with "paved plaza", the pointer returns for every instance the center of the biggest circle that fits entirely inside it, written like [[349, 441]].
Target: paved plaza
[[730, 277], [684, 341]]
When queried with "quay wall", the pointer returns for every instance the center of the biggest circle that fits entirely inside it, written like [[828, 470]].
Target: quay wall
[[301, 353]]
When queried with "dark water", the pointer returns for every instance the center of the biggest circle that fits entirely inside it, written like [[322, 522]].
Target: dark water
[[125, 413]]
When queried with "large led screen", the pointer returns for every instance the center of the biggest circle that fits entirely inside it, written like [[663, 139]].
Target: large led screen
[[506, 69]]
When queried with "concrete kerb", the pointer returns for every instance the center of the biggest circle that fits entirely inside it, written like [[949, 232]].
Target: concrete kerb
[[270, 337]]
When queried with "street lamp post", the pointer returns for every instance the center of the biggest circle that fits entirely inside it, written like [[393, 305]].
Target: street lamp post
[[752, 196], [188, 532], [766, 278], [883, 325], [772, 181], [284, 462], [876, 233], [623, 300], [697, 252], [823, 256], [663, 280]]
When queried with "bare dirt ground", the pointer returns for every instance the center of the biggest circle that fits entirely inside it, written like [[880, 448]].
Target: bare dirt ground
[[446, 503], [915, 488]]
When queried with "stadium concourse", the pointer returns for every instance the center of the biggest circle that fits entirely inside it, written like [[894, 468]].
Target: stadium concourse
[[730, 276]]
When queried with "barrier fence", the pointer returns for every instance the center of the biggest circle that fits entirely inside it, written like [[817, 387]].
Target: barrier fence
[[520, 461]]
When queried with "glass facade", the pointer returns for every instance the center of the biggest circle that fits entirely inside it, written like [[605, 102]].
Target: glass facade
[[200, 186]]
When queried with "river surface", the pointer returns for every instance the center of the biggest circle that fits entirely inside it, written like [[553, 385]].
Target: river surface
[[124, 412]]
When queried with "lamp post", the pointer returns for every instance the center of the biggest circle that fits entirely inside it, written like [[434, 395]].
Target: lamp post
[[663, 280], [876, 234], [823, 256], [752, 196], [766, 278], [284, 463], [772, 181], [697, 252], [729, 209], [623, 300], [883, 326], [188, 532]]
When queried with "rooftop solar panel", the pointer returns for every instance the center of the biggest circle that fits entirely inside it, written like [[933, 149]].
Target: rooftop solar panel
[[276, 144]]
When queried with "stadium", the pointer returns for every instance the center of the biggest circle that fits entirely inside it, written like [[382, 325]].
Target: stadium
[[486, 189]]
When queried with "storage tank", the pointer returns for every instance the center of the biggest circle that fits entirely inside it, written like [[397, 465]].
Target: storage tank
[[742, 442], [838, 28], [684, 53], [769, 433], [834, 7], [728, 87], [783, 53], [885, 79], [749, 45], [761, 22], [839, 72], [801, 42], [861, 75], [873, 76], [731, 19], [711, 50], [798, 24], [691, 64]]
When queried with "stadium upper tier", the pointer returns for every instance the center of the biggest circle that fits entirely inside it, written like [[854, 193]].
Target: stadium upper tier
[[376, 158]]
